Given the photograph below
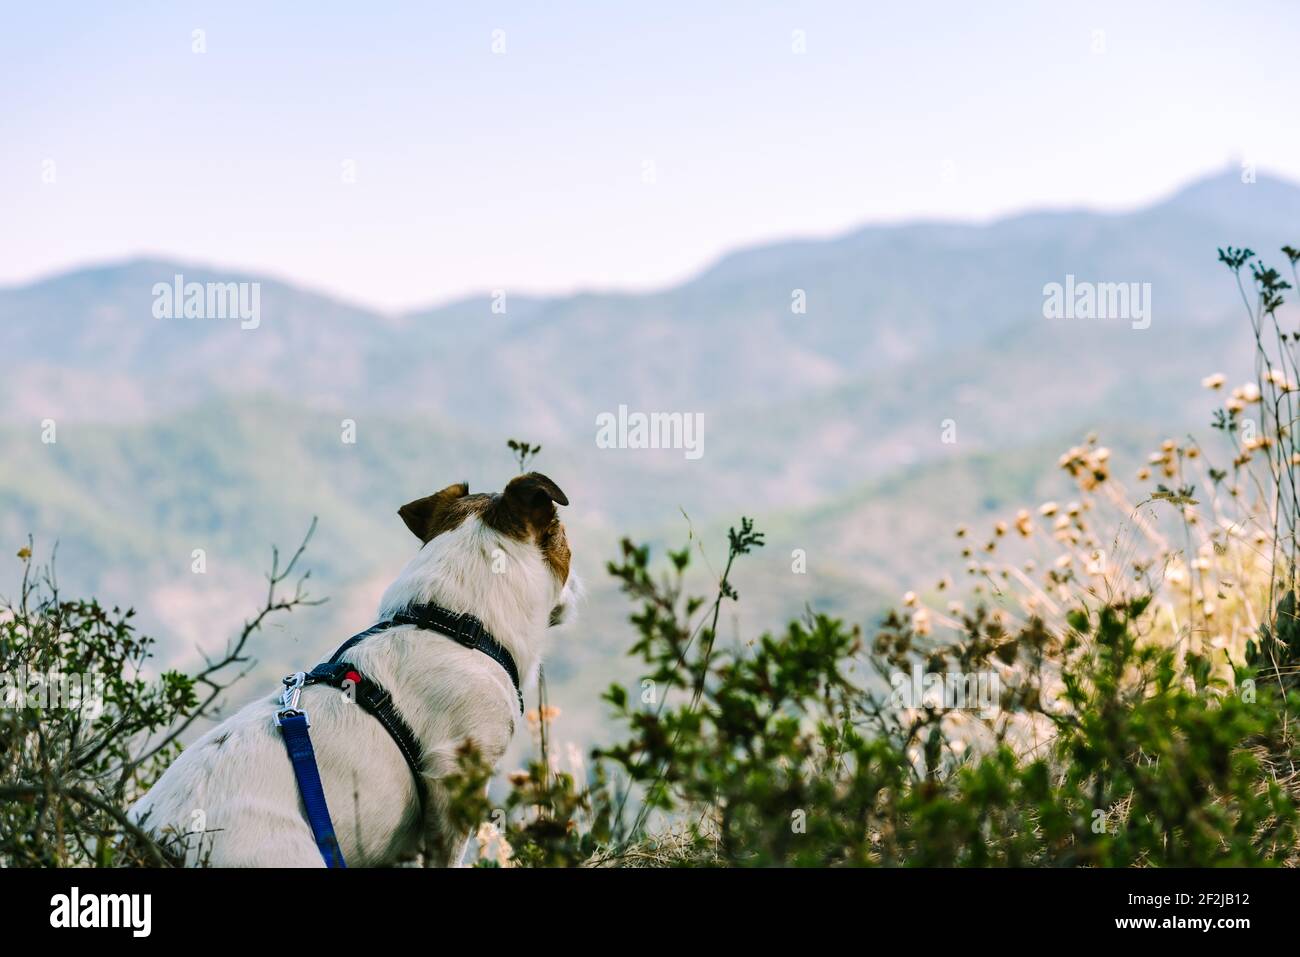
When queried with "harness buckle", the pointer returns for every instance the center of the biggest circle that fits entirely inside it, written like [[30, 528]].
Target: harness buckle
[[469, 630], [293, 685]]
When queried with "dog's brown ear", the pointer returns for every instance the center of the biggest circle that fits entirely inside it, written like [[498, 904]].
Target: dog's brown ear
[[428, 516], [531, 499]]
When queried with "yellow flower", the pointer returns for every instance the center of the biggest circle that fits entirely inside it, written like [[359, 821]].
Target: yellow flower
[[24, 553]]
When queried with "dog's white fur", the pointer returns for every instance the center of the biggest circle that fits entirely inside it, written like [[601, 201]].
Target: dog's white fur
[[237, 785]]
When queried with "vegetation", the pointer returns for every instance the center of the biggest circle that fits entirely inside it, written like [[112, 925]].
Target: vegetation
[[83, 733], [1116, 687]]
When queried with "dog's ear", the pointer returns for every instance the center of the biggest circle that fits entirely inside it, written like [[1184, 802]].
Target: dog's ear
[[531, 498], [428, 516]]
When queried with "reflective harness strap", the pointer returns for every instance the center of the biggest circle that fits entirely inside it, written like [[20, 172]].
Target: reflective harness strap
[[378, 703], [375, 700]]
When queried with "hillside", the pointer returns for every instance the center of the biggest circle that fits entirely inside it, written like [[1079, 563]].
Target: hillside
[[176, 435]]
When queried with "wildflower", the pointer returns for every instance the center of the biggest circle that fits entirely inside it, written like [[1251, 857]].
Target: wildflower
[[1214, 381], [492, 843], [1047, 509], [547, 714], [909, 599]]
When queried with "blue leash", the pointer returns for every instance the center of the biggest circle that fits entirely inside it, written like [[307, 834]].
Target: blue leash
[[297, 741]]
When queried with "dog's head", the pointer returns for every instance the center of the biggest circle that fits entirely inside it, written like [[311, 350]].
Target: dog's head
[[524, 513]]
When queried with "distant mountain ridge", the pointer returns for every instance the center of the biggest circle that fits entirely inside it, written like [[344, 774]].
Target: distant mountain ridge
[[84, 344]]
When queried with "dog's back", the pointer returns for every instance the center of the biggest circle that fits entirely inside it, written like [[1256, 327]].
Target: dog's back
[[231, 799]]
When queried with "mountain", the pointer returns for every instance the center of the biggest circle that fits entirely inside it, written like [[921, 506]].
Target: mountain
[[832, 425], [87, 344]]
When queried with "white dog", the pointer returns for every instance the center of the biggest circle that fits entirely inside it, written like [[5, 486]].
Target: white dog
[[503, 558]]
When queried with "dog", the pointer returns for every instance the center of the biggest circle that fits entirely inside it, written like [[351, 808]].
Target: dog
[[501, 557]]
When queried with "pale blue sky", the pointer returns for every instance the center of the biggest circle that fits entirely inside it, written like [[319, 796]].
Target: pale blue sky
[[526, 170]]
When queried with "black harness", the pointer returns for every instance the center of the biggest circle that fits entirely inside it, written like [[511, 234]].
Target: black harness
[[465, 629]]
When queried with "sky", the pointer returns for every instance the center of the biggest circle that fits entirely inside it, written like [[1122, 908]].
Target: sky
[[401, 155]]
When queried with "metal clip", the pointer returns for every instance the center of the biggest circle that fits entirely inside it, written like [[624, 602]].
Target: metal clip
[[293, 685]]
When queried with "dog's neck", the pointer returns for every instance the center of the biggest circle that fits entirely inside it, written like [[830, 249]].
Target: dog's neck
[[475, 569]]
